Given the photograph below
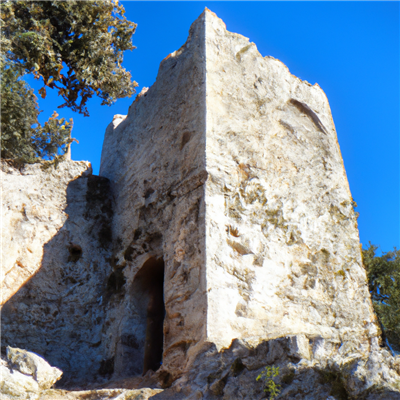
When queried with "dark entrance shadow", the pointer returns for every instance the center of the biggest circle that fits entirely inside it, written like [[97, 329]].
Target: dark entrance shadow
[[141, 351], [151, 279]]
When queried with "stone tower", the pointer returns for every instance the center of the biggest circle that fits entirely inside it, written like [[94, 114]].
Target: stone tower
[[229, 188], [219, 239]]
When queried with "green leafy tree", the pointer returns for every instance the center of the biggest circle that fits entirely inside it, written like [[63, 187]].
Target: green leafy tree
[[384, 285], [23, 138], [75, 47]]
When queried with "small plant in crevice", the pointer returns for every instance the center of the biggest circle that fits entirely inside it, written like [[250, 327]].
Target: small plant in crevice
[[267, 375]]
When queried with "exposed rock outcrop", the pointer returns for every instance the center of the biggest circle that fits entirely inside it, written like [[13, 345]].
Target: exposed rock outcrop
[[32, 365], [56, 263], [315, 369], [26, 376]]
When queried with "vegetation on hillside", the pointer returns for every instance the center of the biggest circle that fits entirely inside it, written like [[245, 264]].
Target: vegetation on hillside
[[384, 285], [75, 47]]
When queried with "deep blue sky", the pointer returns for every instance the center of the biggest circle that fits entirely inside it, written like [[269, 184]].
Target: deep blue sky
[[351, 49]]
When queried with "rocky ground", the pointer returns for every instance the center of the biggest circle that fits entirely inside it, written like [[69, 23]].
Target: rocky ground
[[305, 370]]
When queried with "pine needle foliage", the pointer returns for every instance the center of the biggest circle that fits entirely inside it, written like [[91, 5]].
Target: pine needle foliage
[[384, 285]]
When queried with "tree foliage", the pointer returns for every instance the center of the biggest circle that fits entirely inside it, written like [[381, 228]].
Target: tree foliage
[[23, 138], [384, 285], [75, 47]]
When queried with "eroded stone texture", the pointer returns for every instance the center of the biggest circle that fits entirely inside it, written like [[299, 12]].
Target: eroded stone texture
[[32, 365], [56, 264], [222, 203], [32, 208], [283, 252], [228, 168], [14, 384], [102, 394], [330, 372], [155, 161]]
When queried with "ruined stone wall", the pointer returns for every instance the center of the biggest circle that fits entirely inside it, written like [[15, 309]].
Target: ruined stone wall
[[56, 238], [269, 247], [283, 251], [155, 161]]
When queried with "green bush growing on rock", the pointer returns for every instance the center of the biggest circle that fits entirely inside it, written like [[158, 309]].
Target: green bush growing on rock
[[267, 375]]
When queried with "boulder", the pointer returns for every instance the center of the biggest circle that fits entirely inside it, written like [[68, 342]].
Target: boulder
[[31, 364], [14, 384]]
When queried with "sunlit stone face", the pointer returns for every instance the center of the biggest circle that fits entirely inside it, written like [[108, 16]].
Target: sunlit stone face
[[234, 162]]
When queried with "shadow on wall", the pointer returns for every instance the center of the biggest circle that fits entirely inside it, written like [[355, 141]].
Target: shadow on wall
[[59, 312]]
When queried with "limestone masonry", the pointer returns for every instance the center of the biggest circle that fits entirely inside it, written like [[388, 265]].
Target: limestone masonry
[[219, 238]]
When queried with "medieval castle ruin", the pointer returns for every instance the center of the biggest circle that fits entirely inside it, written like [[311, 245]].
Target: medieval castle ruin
[[219, 238]]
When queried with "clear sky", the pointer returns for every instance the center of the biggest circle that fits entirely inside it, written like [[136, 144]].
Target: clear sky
[[351, 49]]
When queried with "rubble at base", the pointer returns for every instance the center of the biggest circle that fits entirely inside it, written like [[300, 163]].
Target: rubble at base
[[308, 369], [314, 369]]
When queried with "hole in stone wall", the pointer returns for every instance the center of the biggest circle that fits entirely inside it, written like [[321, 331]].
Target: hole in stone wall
[[185, 139], [148, 193], [115, 282], [107, 367], [75, 252], [129, 253]]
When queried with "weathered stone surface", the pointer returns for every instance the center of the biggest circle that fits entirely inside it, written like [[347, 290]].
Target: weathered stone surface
[[14, 384], [233, 163], [31, 364], [56, 264], [34, 384], [340, 374], [283, 252], [104, 394], [33, 204], [155, 161]]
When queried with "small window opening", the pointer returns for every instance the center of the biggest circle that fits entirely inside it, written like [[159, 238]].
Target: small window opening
[[151, 277]]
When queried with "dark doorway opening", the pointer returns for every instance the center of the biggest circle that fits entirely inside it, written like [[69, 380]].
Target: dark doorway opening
[[151, 279]]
